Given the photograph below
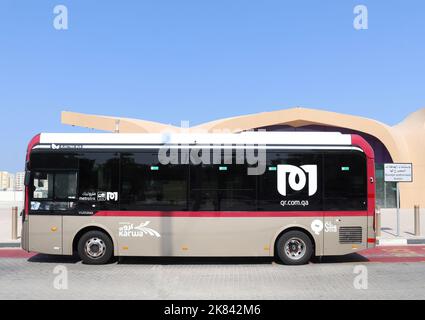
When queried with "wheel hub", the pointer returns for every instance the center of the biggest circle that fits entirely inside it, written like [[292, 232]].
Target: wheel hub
[[295, 248], [95, 248]]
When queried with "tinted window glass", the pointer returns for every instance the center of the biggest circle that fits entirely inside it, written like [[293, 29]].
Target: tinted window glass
[[149, 185], [223, 200], [99, 181], [222, 187], [43, 185], [65, 185], [300, 175], [53, 205], [345, 181], [53, 191], [53, 161], [54, 185]]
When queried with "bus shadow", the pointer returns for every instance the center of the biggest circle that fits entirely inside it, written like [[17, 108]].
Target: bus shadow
[[45, 258], [195, 260], [48, 258], [349, 258]]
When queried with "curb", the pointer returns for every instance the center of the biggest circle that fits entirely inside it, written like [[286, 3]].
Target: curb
[[10, 245], [399, 242], [415, 241]]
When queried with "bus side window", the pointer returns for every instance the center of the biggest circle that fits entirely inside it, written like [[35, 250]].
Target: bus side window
[[41, 189], [345, 185], [222, 187], [99, 176], [54, 191], [149, 185]]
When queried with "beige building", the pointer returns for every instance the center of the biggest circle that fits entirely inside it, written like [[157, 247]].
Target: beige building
[[11, 182], [404, 142], [19, 181], [5, 181]]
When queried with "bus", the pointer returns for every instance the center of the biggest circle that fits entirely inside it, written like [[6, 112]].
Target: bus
[[288, 195]]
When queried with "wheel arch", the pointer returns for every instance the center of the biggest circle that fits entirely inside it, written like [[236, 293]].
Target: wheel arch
[[292, 228], [86, 229]]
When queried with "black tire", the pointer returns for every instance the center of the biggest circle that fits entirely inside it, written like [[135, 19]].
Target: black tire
[[103, 243], [300, 242]]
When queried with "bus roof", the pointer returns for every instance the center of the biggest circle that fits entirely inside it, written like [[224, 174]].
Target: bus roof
[[243, 138]]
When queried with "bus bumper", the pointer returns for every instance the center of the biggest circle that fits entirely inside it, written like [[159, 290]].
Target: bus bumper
[[24, 235]]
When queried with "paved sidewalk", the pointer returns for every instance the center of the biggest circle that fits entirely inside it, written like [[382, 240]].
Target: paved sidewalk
[[400, 274]]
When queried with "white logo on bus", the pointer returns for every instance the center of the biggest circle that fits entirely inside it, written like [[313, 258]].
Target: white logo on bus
[[129, 230], [112, 196], [330, 227], [107, 196], [293, 173], [317, 226]]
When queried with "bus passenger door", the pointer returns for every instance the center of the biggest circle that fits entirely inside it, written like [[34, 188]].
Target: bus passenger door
[[52, 195]]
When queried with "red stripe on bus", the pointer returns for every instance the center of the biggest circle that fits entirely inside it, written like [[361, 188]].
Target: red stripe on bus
[[359, 141], [231, 214]]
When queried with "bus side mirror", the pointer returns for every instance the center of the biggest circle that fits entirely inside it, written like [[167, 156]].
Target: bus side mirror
[[27, 178]]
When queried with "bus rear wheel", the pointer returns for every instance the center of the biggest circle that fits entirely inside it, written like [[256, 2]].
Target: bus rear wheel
[[95, 247], [294, 248]]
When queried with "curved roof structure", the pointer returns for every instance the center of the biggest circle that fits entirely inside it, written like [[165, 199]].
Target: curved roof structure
[[114, 124], [296, 117]]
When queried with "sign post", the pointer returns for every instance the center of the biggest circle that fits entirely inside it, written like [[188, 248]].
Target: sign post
[[398, 172], [398, 209]]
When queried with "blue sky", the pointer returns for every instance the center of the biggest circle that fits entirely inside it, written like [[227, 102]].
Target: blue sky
[[197, 60]]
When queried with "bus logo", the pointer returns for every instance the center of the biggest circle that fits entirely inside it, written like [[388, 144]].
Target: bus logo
[[112, 196], [130, 230], [297, 178], [103, 196]]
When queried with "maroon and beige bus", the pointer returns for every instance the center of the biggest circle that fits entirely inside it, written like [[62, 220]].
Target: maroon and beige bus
[[289, 195]]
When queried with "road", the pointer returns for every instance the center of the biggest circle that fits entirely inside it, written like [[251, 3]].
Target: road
[[386, 273]]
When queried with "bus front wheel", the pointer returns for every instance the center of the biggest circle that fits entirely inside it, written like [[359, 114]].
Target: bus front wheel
[[95, 247], [294, 248]]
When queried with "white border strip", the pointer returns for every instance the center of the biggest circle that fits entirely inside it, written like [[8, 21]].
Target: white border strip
[[108, 147], [271, 138]]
